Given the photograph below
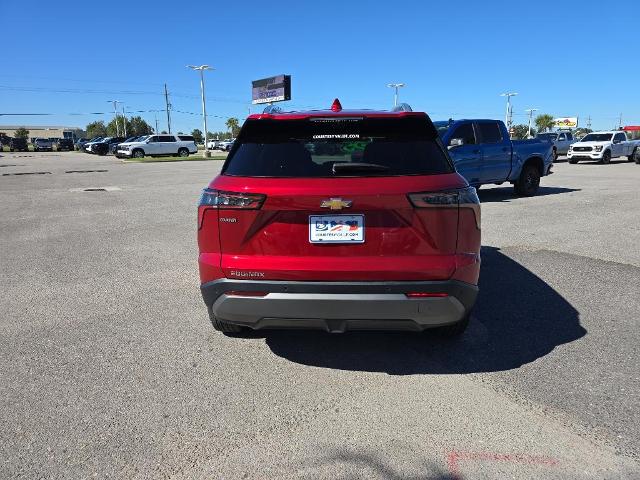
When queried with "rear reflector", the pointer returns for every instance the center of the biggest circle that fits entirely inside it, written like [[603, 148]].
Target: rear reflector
[[426, 295], [238, 293]]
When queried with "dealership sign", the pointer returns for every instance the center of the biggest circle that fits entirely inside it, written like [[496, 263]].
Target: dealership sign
[[273, 89], [565, 122]]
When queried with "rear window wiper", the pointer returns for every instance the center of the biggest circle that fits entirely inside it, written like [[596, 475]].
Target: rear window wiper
[[357, 167]]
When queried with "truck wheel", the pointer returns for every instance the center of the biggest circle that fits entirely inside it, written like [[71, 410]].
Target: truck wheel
[[183, 152], [606, 157], [455, 330], [555, 154], [634, 155], [227, 328], [573, 161], [528, 182], [138, 153], [638, 156]]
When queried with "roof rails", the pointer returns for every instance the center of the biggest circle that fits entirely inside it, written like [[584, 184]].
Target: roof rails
[[403, 107], [272, 109]]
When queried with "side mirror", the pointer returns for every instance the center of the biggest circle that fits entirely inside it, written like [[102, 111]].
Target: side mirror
[[456, 142]]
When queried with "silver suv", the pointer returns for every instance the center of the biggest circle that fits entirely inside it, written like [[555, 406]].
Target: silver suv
[[41, 144], [157, 145]]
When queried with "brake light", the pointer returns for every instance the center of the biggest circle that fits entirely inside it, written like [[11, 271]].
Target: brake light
[[231, 200], [336, 106], [426, 295], [449, 198], [462, 198]]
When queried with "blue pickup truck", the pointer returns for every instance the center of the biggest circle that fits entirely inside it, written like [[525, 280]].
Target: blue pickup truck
[[483, 153]]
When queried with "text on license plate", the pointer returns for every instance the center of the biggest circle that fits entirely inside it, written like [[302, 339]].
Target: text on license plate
[[336, 228]]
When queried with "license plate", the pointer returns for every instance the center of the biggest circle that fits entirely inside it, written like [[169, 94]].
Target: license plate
[[336, 228]]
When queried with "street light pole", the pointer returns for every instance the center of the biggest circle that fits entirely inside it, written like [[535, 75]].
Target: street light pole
[[395, 86], [202, 68], [115, 111], [124, 121], [508, 115], [530, 111]]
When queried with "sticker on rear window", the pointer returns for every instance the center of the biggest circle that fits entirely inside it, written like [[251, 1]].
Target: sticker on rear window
[[337, 135]]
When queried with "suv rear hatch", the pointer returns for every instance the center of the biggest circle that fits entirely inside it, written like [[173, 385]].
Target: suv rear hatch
[[337, 198]]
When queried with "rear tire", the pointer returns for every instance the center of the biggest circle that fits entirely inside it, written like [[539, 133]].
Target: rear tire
[[528, 182], [455, 330], [183, 152], [634, 155], [638, 156], [227, 328], [606, 157], [555, 154]]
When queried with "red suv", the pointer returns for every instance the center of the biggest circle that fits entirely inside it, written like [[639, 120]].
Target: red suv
[[339, 220]]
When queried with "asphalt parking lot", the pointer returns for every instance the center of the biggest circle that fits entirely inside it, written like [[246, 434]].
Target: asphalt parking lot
[[109, 367]]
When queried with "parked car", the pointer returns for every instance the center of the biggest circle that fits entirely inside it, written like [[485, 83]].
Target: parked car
[[603, 146], [80, 143], [18, 145], [42, 144], [213, 144], [113, 148], [4, 140], [377, 232], [158, 145], [561, 142], [89, 147], [483, 153], [226, 145], [86, 147], [103, 147], [64, 144]]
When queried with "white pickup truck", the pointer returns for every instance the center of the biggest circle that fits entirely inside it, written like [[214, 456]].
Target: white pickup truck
[[603, 146], [158, 145]]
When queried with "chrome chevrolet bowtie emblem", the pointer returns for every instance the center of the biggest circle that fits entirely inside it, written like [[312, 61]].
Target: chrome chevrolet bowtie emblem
[[336, 203]]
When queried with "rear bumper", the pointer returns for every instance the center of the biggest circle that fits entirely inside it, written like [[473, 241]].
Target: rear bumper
[[339, 306]]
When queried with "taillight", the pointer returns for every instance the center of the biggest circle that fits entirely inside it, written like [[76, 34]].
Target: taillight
[[426, 295], [460, 198], [231, 200]]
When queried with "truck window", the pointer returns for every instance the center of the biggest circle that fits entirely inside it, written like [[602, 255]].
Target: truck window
[[490, 132], [465, 132], [619, 137]]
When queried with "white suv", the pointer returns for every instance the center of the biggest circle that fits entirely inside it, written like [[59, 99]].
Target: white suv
[[181, 145]]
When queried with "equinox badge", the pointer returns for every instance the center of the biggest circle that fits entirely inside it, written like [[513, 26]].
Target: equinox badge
[[336, 203]]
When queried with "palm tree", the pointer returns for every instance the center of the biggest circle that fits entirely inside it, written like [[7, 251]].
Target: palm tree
[[233, 124], [544, 122]]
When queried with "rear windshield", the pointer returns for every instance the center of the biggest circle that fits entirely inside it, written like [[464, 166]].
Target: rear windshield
[[328, 147]]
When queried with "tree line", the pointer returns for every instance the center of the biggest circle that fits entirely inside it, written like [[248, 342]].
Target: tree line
[[136, 127]]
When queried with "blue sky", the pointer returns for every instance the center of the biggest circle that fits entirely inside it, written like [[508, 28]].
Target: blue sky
[[565, 58]]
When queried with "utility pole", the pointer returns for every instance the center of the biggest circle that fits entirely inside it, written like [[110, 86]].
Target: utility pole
[[620, 122], [115, 111], [156, 117], [589, 122], [124, 121], [509, 115], [395, 86], [168, 107], [530, 111], [201, 69]]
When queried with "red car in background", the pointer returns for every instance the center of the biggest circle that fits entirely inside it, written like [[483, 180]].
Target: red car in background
[[339, 220]]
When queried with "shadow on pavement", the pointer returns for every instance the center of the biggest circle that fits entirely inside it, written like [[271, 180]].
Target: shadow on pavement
[[518, 318], [506, 194], [371, 466]]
